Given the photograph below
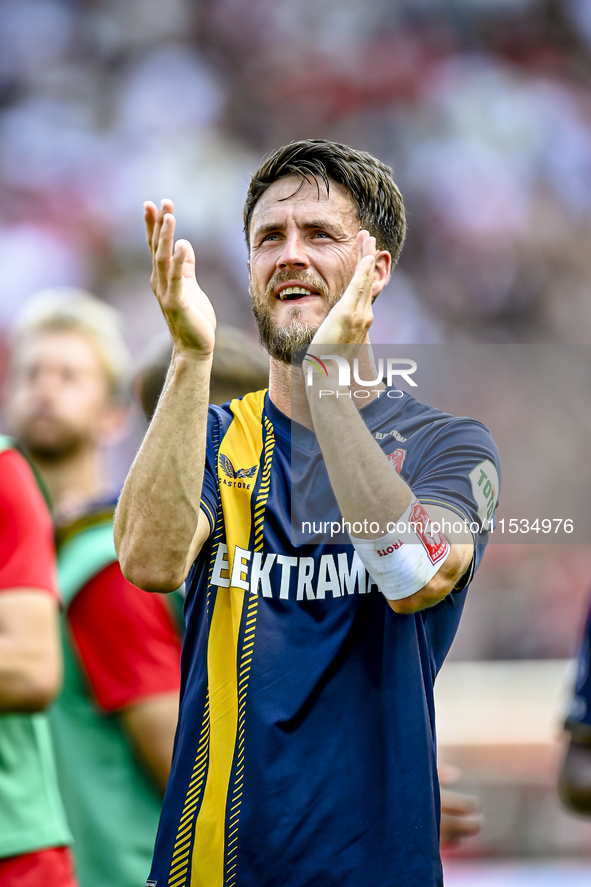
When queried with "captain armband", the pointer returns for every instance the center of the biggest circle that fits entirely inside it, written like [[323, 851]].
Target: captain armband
[[404, 561]]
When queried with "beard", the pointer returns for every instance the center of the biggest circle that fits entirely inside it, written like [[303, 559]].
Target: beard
[[50, 445], [284, 343], [288, 343]]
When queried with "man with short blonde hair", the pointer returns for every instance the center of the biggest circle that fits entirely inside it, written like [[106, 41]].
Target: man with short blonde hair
[[114, 721]]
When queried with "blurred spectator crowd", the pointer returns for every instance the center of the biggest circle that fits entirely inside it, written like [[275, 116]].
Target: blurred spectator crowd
[[482, 107]]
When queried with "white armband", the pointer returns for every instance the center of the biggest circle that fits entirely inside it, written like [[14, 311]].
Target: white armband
[[405, 560]]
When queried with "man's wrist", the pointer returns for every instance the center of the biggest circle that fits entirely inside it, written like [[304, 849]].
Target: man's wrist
[[184, 358]]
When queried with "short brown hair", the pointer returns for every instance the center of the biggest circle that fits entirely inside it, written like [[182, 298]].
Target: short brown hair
[[368, 181]]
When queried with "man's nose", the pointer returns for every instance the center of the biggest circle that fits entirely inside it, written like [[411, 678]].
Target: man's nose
[[293, 253], [44, 383]]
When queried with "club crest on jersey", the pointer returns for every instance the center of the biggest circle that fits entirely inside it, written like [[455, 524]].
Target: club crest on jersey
[[397, 459], [238, 478], [435, 544]]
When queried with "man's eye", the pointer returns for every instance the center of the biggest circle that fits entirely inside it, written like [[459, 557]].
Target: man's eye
[[269, 237], [321, 234]]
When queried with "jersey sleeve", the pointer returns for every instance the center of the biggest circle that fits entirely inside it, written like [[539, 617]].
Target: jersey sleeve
[[126, 640], [27, 553], [210, 489], [461, 470], [578, 720]]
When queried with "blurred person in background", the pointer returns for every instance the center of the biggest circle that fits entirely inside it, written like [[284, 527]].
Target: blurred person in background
[[574, 781], [460, 813], [238, 367], [113, 723], [34, 835]]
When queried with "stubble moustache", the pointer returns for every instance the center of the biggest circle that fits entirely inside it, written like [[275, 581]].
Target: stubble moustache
[[290, 342]]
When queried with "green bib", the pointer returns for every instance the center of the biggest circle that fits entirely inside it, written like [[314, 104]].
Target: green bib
[[112, 807], [31, 812]]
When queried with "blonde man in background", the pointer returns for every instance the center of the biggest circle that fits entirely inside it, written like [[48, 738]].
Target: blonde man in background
[[114, 721]]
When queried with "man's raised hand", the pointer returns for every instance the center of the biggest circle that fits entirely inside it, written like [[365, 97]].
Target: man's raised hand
[[348, 322], [187, 310]]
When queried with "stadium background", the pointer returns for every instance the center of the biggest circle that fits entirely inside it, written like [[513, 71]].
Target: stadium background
[[482, 107]]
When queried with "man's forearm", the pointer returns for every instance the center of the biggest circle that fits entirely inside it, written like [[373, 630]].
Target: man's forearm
[[366, 487], [158, 513], [30, 660], [150, 725], [373, 497]]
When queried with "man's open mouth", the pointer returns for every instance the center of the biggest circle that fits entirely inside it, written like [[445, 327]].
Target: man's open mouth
[[294, 292]]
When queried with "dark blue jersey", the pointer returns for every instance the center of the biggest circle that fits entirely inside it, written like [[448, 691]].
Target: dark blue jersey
[[578, 721], [305, 753]]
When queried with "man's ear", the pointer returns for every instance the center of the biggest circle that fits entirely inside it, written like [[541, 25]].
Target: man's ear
[[382, 273]]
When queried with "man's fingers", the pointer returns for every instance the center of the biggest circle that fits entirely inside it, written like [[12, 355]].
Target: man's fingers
[[359, 290], [448, 773], [183, 261], [188, 253], [366, 244], [457, 804], [467, 825], [460, 817], [166, 208], [182, 265], [454, 828], [163, 252], [349, 320], [150, 213], [175, 275]]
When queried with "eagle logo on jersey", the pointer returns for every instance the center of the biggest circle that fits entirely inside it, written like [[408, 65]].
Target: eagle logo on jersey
[[236, 476], [231, 472]]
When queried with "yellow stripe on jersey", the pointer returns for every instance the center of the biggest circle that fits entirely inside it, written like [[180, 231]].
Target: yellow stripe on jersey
[[241, 448], [179, 864], [245, 663]]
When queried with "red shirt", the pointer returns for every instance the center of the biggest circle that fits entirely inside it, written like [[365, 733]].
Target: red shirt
[[27, 553], [127, 641], [126, 638]]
